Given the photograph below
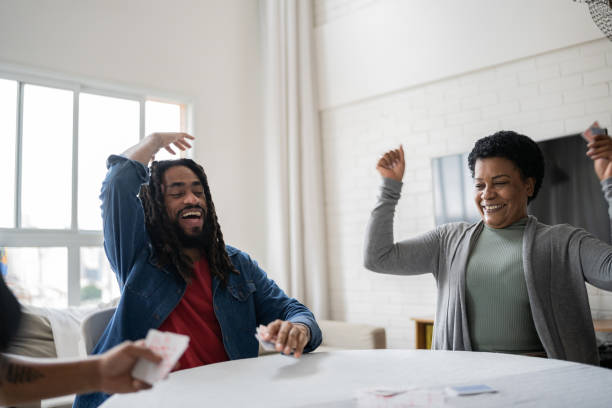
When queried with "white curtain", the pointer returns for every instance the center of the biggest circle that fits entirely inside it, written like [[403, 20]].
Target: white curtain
[[294, 177]]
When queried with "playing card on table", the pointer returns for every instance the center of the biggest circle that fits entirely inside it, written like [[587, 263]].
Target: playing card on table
[[265, 344], [168, 345], [399, 398], [470, 390]]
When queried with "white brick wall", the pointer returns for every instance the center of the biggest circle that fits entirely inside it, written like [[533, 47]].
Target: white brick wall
[[550, 95]]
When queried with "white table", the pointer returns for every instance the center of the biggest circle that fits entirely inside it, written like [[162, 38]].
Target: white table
[[335, 379]]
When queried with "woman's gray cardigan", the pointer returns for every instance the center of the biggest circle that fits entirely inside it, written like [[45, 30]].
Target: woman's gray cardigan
[[557, 260]]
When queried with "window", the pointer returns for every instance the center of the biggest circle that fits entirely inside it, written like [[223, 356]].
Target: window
[[56, 137], [8, 130]]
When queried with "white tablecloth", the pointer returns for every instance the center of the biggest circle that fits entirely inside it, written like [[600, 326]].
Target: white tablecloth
[[336, 379]]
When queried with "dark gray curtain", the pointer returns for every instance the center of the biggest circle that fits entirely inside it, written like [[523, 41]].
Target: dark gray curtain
[[571, 192]]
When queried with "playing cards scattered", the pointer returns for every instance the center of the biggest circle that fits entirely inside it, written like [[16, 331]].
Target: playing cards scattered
[[170, 346]]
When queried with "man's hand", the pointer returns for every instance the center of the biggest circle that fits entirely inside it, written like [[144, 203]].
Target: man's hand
[[287, 336], [146, 149], [167, 139], [600, 151], [392, 165], [115, 367]]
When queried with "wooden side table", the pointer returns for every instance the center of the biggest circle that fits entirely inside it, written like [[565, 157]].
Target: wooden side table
[[423, 332], [603, 325]]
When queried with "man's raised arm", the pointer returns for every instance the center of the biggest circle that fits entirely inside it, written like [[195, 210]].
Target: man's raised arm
[[122, 213]]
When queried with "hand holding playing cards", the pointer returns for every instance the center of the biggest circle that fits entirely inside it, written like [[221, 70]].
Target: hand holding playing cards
[[287, 337], [115, 367], [600, 151], [391, 164]]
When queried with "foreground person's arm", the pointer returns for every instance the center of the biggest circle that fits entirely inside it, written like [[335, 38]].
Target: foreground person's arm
[[25, 379]]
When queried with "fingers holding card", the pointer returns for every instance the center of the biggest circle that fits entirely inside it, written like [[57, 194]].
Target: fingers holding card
[[267, 345], [168, 345], [592, 131]]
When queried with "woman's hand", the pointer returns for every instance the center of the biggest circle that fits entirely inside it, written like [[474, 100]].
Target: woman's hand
[[600, 151], [392, 165]]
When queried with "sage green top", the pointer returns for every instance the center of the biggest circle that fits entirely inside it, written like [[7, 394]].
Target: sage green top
[[498, 311]]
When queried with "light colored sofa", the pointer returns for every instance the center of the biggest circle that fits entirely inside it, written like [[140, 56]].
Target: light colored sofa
[[339, 335]]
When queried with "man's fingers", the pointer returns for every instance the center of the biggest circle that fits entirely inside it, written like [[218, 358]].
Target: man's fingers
[[271, 330], [178, 139], [292, 340], [185, 143], [179, 145], [288, 337], [274, 327], [281, 337], [301, 343]]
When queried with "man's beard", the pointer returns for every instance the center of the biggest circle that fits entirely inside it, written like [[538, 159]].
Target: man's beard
[[202, 240]]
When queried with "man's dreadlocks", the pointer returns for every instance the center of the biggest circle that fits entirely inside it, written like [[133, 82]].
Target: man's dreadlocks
[[164, 238]]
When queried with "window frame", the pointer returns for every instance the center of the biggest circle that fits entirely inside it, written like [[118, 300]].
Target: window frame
[[73, 238]]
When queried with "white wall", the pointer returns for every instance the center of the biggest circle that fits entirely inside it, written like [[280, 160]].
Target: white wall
[[381, 46], [547, 95], [207, 50]]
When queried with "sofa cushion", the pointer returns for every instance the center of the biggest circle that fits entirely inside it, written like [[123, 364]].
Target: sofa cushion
[[338, 335], [34, 337]]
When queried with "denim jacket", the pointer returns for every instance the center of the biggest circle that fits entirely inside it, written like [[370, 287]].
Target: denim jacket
[[149, 293]]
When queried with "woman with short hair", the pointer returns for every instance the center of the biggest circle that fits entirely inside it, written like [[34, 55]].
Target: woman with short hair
[[507, 283]]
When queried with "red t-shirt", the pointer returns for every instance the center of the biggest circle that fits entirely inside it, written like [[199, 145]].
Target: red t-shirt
[[195, 317]]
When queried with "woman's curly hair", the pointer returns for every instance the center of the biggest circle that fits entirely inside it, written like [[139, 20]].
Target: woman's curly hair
[[519, 149], [166, 244]]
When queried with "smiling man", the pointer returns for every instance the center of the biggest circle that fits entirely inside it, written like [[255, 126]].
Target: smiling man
[[175, 272]]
